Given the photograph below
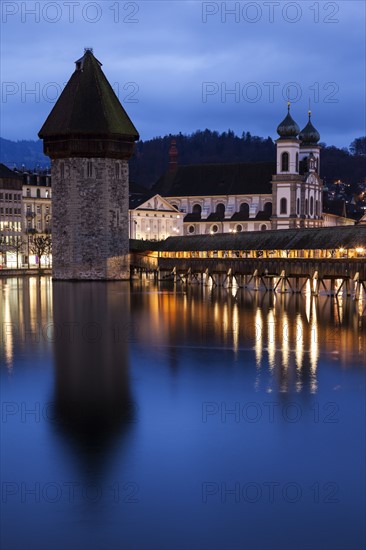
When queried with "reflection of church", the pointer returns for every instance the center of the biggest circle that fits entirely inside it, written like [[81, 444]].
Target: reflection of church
[[227, 198]]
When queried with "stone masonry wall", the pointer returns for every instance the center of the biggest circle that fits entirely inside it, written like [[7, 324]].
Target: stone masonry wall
[[90, 219]]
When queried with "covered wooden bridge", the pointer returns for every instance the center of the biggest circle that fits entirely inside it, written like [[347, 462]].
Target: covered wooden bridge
[[332, 259]]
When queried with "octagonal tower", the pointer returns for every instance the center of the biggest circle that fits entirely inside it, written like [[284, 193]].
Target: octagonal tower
[[89, 138]]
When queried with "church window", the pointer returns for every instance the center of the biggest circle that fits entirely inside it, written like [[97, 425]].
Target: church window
[[283, 206], [311, 206], [306, 207], [298, 206], [284, 162]]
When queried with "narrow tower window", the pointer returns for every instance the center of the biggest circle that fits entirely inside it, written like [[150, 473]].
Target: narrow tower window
[[283, 206], [311, 206], [298, 207], [89, 169], [284, 162]]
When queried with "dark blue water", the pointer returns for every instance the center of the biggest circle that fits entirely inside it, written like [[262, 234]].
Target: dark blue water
[[144, 417]]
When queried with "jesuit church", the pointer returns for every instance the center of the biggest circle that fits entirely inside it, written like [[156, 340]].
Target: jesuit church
[[224, 198]]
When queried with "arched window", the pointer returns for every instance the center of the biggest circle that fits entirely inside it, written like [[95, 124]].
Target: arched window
[[263, 227], [298, 207], [284, 162], [311, 206], [38, 193], [244, 210], [268, 209], [174, 205], [239, 228], [220, 210], [28, 192], [306, 206], [283, 206], [317, 208], [197, 210], [297, 162]]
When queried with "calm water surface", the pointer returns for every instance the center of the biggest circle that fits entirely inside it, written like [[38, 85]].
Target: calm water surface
[[145, 417]]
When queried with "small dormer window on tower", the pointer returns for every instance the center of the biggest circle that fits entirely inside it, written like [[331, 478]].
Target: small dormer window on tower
[[284, 162]]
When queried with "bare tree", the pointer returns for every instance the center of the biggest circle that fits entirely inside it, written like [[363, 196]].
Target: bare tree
[[41, 245], [16, 245], [4, 246]]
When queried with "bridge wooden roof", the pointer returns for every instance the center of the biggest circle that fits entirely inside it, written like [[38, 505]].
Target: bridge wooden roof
[[281, 239]]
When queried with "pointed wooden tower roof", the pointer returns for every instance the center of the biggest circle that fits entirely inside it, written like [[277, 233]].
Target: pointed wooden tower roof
[[87, 110]]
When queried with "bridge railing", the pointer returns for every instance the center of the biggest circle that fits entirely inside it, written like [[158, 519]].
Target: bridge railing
[[326, 268]]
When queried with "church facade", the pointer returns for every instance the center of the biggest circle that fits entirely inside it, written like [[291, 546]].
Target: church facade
[[225, 198]]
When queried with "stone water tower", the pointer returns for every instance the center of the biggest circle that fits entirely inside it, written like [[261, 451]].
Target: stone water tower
[[89, 138]]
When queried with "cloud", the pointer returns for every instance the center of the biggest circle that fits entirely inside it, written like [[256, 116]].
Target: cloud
[[167, 51]]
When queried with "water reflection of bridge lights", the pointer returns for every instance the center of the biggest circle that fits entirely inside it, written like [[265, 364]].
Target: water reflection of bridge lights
[[299, 351]]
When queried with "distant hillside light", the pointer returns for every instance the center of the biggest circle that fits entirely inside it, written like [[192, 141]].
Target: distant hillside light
[[89, 138]]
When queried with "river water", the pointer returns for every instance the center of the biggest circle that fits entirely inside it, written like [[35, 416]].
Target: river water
[[152, 417]]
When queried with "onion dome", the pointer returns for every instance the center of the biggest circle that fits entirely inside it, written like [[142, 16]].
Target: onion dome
[[288, 128], [309, 135]]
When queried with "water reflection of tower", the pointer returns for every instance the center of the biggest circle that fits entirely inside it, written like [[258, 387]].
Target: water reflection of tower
[[92, 397]]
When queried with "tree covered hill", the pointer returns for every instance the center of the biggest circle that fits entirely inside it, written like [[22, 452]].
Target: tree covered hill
[[151, 157]]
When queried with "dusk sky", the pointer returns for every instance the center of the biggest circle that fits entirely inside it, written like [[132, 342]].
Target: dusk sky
[[174, 64]]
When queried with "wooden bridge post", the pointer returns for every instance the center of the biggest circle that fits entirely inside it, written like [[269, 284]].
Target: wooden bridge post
[[357, 282], [315, 291]]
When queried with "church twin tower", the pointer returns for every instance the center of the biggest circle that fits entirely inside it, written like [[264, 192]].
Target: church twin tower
[[89, 137], [297, 188]]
